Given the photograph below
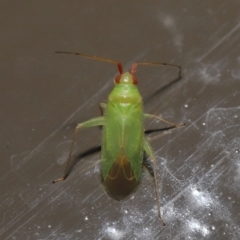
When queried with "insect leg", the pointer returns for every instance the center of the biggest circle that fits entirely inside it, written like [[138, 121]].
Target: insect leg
[[98, 121], [102, 107], [147, 148], [174, 125]]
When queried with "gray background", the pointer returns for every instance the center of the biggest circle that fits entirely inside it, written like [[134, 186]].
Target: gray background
[[44, 95]]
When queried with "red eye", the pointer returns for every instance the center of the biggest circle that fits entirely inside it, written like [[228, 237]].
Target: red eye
[[135, 81], [117, 79]]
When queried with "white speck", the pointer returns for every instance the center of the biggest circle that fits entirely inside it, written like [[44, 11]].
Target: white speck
[[86, 218], [196, 226], [201, 198], [236, 151], [186, 105], [113, 233], [49, 226], [213, 228], [235, 116], [204, 124], [126, 211], [210, 73]]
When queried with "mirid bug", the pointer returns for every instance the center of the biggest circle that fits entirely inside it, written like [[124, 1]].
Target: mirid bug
[[123, 139]]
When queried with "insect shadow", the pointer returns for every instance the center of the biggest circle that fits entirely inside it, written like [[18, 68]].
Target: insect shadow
[[162, 89], [80, 157]]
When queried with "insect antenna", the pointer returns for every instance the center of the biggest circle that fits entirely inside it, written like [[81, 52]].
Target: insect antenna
[[134, 66], [119, 65]]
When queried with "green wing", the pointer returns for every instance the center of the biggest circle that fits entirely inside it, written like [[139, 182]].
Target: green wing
[[122, 148]]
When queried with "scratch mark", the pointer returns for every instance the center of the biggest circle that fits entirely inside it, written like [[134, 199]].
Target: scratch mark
[[194, 123], [219, 42], [22, 225], [11, 223], [200, 180], [57, 196], [54, 232]]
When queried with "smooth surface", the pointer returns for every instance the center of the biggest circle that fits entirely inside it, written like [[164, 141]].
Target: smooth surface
[[44, 95]]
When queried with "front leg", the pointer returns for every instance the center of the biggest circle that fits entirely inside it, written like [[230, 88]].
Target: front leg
[[98, 121]]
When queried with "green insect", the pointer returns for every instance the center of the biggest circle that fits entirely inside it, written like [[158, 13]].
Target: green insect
[[123, 139]]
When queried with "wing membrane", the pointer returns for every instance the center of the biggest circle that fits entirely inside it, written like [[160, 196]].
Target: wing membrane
[[120, 181]]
